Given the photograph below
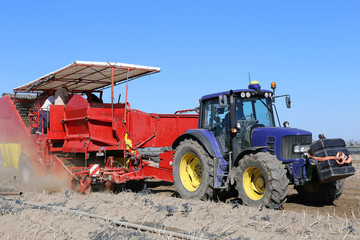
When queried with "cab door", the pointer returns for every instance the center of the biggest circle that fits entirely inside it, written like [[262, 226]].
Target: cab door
[[217, 119]]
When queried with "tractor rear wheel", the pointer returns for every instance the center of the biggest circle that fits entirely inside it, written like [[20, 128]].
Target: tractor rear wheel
[[321, 194], [193, 171], [261, 180]]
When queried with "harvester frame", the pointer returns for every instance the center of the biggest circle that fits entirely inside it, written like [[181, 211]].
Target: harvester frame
[[83, 136]]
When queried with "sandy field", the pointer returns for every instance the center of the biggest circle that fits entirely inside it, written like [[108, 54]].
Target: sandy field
[[55, 212]]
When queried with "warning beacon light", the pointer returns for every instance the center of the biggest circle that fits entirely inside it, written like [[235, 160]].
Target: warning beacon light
[[254, 85], [273, 86]]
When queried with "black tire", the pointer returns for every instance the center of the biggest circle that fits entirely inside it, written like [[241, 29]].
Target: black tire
[[193, 171], [119, 187], [261, 180], [321, 194], [97, 187]]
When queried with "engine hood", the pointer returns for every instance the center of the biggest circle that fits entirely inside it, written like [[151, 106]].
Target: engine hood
[[278, 132], [280, 140]]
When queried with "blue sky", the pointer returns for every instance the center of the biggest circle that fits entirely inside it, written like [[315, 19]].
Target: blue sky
[[309, 48]]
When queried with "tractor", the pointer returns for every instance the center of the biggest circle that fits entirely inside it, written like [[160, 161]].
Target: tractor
[[238, 146]]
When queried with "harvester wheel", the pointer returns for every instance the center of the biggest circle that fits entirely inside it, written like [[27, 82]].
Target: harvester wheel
[[193, 171], [26, 173], [321, 194], [261, 180]]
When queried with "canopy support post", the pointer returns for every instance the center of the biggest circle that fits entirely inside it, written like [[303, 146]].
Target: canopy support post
[[112, 91], [126, 96]]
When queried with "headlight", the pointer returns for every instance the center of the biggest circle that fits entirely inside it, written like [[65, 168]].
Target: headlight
[[300, 148]]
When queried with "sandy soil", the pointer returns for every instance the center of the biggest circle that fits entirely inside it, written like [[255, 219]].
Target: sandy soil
[[156, 206]]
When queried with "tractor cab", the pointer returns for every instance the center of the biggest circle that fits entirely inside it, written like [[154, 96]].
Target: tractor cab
[[233, 115]]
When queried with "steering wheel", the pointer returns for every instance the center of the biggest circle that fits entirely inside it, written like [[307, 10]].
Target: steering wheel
[[248, 122], [244, 117]]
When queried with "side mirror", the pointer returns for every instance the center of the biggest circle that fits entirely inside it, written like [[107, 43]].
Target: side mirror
[[223, 100], [288, 101]]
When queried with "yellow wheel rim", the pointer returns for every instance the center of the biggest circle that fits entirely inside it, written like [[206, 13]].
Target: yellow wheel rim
[[254, 183], [190, 172]]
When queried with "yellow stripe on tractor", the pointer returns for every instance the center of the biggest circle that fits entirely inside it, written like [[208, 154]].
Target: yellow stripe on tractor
[[11, 152]]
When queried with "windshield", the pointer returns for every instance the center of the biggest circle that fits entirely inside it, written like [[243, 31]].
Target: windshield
[[258, 109]]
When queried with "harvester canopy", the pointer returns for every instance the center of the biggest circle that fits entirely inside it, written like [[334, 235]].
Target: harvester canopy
[[82, 76]]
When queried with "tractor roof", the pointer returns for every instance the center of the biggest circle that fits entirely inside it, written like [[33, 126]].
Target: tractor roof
[[81, 76], [235, 91]]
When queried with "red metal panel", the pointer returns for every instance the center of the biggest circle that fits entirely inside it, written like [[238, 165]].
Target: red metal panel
[[173, 125], [56, 131], [139, 126], [12, 127], [104, 130], [75, 124], [75, 113], [166, 160], [13, 130], [56, 114], [158, 173], [159, 129], [90, 127]]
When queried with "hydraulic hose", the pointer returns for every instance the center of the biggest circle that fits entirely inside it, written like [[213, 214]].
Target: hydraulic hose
[[340, 158]]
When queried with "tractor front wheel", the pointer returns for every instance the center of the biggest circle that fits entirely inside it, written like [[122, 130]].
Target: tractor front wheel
[[261, 180], [193, 171]]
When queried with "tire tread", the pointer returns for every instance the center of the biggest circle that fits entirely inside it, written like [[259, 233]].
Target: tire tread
[[278, 181], [204, 191]]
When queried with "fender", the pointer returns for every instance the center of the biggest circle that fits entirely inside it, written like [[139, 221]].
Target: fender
[[205, 138], [247, 152]]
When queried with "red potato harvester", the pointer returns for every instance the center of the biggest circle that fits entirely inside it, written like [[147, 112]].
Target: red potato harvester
[[97, 145]]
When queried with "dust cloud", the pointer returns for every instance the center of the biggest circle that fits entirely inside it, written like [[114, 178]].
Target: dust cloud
[[20, 168]]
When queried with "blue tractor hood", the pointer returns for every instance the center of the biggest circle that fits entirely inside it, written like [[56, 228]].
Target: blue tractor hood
[[278, 131], [274, 136]]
